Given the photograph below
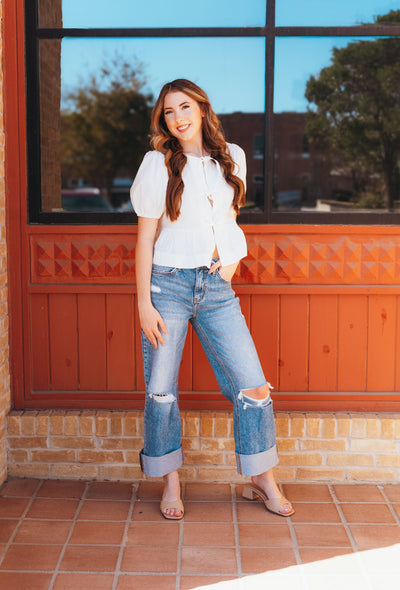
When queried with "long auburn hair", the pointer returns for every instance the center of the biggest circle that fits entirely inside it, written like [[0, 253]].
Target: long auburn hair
[[213, 141]]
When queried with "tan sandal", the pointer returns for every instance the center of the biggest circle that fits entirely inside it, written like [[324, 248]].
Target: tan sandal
[[174, 505], [275, 505]]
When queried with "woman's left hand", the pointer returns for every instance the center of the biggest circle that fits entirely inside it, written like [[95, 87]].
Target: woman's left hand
[[226, 272]]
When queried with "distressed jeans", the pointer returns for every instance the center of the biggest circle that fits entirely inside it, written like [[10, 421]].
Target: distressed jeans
[[209, 303]]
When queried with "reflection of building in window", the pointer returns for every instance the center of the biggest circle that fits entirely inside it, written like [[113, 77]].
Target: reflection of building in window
[[303, 176], [258, 152], [247, 130]]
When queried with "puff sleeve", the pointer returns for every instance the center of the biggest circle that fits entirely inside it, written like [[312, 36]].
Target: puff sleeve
[[149, 187], [239, 158]]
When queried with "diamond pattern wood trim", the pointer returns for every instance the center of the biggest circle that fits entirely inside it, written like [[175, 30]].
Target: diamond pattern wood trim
[[321, 259], [82, 259], [315, 259]]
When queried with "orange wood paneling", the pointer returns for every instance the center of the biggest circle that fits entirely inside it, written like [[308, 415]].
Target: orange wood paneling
[[245, 305], [265, 331], [203, 376], [120, 328], [352, 342], [323, 342], [381, 343], [294, 343], [56, 264], [63, 342], [40, 346], [92, 342], [397, 362]]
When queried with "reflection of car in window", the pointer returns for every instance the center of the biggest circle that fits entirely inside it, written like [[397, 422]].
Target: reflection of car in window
[[84, 199]]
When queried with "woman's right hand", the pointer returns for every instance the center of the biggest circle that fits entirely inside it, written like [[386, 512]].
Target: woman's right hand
[[152, 324]]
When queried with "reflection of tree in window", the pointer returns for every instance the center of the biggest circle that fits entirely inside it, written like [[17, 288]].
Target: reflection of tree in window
[[104, 130], [355, 126]]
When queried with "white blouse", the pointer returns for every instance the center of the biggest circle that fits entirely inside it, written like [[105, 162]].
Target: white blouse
[[207, 219]]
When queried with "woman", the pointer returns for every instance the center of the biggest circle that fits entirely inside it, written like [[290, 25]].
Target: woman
[[187, 194]]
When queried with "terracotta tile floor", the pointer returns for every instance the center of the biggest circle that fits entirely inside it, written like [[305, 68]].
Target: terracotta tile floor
[[68, 535]]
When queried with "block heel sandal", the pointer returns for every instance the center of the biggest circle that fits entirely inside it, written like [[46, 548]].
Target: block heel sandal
[[275, 505]]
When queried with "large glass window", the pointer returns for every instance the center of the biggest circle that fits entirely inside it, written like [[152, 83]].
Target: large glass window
[[311, 95], [331, 12], [337, 125]]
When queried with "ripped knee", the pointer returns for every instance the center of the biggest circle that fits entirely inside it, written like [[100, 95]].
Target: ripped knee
[[256, 397], [162, 398]]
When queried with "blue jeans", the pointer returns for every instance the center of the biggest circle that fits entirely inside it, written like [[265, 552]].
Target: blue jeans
[[209, 303]]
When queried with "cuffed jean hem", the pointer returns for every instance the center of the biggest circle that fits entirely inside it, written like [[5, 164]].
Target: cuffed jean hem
[[159, 466], [257, 463]]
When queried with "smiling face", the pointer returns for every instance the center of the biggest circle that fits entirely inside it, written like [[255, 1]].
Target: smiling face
[[183, 117]]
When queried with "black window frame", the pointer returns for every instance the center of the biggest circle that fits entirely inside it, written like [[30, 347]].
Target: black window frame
[[34, 33]]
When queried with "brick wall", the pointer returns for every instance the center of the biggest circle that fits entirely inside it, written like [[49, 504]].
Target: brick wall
[[104, 445], [4, 368]]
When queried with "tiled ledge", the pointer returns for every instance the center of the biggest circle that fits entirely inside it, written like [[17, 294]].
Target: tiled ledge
[[104, 445]]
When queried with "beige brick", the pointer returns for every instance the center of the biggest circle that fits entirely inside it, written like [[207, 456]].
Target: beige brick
[[73, 442], [387, 428], [18, 456], [367, 475], [28, 423], [313, 426], [187, 473], [121, 443], [230, 459], [300, 459], [222, 425], [191, 424], [373, 446], [191, 443], [373, 427], [28, 470], [282, 424], [131, 426], [42, 424], [195, 458], [329, 426], [102, 425], [13, 425], [62, 471], [286, 444], [298, 425], [30, 442], [116, 423], [323, 445], [285, 474], [71, 425], [350, 459], [86, 425], [101, 457], [217, 444], [343, 425], [53, 456], [120, 472], [389, 460], [56, 424], [358, 426], [132, 457], [322, 474], [207, 425], [222, 474], [397, 429]]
